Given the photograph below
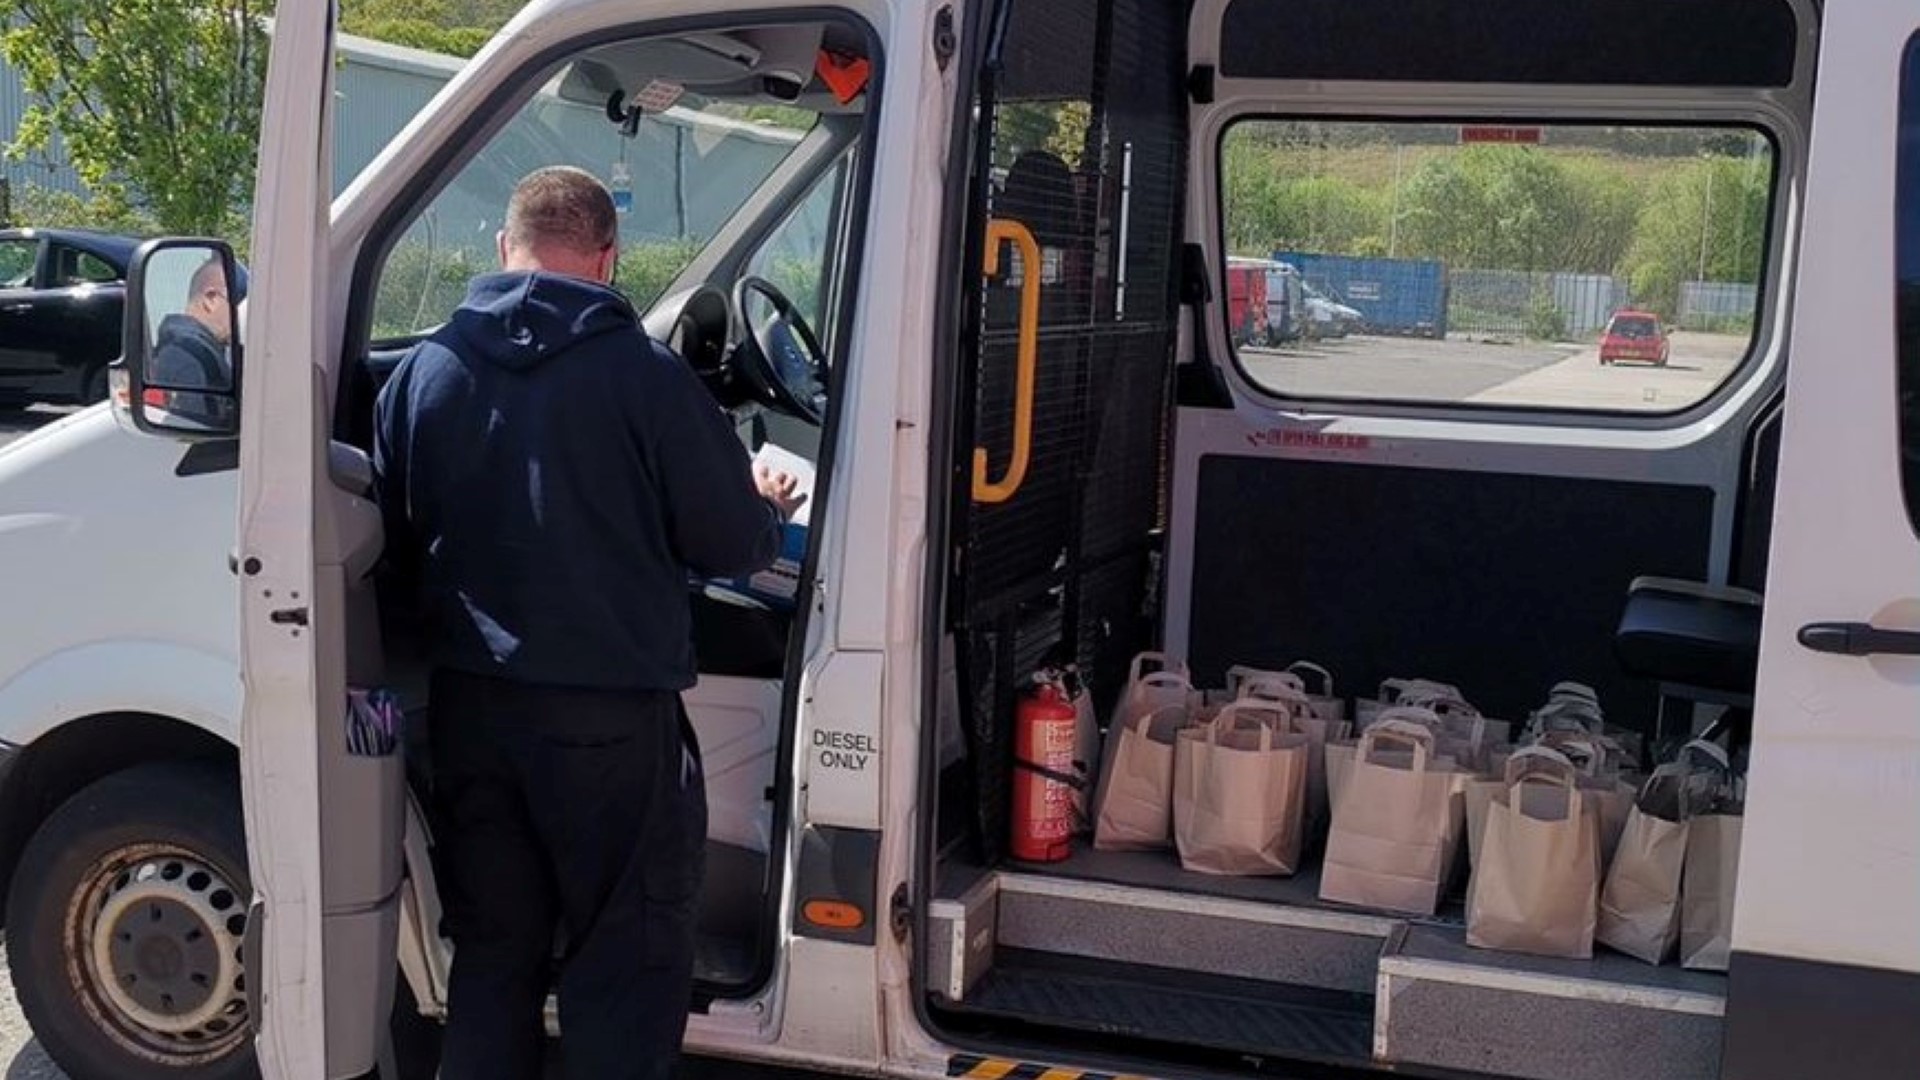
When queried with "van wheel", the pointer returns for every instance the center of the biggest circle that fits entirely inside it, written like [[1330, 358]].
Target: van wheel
[[124, 928]]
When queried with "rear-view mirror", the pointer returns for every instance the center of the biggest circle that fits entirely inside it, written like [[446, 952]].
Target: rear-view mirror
[[180, 373]]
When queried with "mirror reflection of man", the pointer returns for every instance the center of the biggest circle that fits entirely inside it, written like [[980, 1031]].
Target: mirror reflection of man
[[191, 351]]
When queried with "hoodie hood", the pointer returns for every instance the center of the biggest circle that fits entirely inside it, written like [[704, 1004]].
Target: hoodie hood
[[520, 319]]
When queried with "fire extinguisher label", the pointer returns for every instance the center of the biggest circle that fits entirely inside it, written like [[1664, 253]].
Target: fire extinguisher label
[[1056, 752]]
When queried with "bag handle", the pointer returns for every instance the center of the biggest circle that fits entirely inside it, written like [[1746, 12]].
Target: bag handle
[[1718, 763], [1166, 663], [1278, 689], [1310, 668], [1475, 730], [1143, 722], [1227, 719], [1391, 690], [1712, 751], [1453, 710], [1672, 772], [1539, 765], [1585, 714], [1391, 729], [1582, 751], [1417, 715], [1240, 676], [1167, 680], [1536, 759], [1574, 691]]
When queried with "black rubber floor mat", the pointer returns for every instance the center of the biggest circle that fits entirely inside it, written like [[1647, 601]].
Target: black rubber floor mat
[[1149, 1003]]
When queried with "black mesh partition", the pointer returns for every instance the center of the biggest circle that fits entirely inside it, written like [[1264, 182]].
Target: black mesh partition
[[1085, 120]]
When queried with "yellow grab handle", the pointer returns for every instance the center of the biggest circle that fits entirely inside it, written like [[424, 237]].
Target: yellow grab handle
[[999, 231]]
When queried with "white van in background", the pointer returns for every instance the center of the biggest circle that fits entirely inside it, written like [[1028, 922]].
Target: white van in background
[[207, 878]]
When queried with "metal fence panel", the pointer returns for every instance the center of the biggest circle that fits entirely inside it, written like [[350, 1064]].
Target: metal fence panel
[[1717, 305]]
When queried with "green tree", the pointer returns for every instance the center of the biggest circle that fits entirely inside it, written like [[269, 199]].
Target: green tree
[[451, 27], [156, 101], [1272, 205], [1056, 127], [1705, 221]]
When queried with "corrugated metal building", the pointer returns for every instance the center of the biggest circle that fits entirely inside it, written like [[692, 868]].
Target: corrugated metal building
[[45, 170]]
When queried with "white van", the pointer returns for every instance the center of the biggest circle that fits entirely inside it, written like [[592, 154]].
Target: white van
[[1019, 468]]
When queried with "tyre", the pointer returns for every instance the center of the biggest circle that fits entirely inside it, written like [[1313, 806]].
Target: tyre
[[93, 389], [124, 927]]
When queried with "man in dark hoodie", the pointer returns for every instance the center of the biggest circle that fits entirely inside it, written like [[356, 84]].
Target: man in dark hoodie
[[191, 347], [549, 475]]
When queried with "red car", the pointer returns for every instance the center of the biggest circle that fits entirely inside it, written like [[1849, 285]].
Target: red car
[[1634, 335]]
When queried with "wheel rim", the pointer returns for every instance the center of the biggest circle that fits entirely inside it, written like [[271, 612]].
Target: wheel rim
[[153, 946]]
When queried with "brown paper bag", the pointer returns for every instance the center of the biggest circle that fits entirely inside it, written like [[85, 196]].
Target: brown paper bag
[[1536, 885], [1600, 778], [1395, 828], [1327, 704], [1086, 752], [1640, 897], [1239, 793], [1481, 793], [1304, 719], [1340, 752], [1154, 680], [1706, 889], [1133, 806]]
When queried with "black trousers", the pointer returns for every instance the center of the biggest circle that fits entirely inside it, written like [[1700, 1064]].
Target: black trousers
[[584, 810]]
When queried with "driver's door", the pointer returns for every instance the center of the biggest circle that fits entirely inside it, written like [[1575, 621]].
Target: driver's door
[[322, 811]]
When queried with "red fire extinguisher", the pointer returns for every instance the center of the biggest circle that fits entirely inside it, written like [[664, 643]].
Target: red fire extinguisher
[[1044, 775]]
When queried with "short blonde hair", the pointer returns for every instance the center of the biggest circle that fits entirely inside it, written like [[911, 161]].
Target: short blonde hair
[[563, 207]]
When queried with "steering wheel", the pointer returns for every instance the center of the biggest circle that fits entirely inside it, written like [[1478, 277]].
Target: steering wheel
[[779, 355]]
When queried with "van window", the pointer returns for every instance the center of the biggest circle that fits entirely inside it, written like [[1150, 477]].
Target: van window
[[1593, 268], [1907, 256], [795, 256], [682, 175]]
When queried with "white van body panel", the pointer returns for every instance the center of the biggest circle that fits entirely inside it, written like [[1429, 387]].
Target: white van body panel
[[132, 606], [1830, 860]]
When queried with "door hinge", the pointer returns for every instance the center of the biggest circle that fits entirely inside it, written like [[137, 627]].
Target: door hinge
[[945, 41], [900, 914]]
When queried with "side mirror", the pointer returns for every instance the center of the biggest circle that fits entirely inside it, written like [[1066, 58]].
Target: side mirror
[[179, 374]]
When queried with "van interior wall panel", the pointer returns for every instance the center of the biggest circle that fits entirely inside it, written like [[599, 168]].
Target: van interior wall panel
[[1598, 42], [1502, 584], [1086, 123]]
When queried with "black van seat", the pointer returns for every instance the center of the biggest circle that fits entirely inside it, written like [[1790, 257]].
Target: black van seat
[[1697, 640]]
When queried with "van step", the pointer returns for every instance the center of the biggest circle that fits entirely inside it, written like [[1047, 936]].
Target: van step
[[1237, 938], [1445, 1005], [1236, 1015]]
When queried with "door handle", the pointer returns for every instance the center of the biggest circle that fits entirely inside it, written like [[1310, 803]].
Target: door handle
[[16, 308], [999, 231], [1859, 639]]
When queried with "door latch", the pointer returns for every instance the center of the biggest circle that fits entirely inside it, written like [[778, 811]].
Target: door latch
[[292, 616]]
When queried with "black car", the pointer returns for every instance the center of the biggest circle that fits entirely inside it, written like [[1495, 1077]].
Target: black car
[[61, 296]]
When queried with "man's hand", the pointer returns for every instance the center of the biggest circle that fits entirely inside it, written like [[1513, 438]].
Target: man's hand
[[778, 487]]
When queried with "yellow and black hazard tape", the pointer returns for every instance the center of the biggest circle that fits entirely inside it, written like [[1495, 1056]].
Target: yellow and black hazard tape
[[979, 1068]]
